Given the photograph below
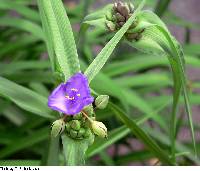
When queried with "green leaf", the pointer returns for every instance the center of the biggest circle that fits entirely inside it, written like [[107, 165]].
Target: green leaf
[[105, 53], [48, 37], [19, 8], [14, 115], [32, 76], [178, 68], [23, 24], [20, 43], [143, 61], [22, 65], [97, 18], [146, 79], [24, 142], [25, 98], [62, 36], [39, 88]]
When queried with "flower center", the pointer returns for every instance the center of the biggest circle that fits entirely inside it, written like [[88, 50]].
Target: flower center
[[73, 94]]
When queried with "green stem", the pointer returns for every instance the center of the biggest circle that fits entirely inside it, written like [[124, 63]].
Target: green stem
[[83, 112]]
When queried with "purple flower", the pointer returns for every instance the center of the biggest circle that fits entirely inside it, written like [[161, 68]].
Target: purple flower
[[71, 97]]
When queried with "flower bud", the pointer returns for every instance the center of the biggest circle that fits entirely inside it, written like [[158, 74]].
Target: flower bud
[[120, 17], [91, 139], [110, 25], [121, 13], [73, 133], [101, 101], [87, 133], [67, 127], [81, 132], [123, 10], [75, 124], [89, 110], [77, 116], [99, 129], [57, 127]]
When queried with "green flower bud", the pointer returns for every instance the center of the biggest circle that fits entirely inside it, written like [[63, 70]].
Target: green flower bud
[[75, 124], [99, 129], [57, 127], [91, 140], [120, 17], [77, 116], [87, 133], [73, 133], [132, 36], [89, 110], [81, 132], [110, 25], [101, 101], [67, 127]]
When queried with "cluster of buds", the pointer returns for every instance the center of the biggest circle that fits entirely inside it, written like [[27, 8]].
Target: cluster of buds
[[83, 124], [76, 127], [121, 12]]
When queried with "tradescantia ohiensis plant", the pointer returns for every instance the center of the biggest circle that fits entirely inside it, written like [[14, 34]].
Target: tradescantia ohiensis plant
[[77, 124]]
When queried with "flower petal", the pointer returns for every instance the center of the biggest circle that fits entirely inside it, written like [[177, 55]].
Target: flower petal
[[57, 100], [79, 81], [88, 100], [73, 107]]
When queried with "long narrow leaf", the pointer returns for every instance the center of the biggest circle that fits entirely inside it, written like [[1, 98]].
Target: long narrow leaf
[[25, 98], [63, 40]]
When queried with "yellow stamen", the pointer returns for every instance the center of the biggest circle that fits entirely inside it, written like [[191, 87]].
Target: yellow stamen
[[69, 98], [78, 95], [74, 89]]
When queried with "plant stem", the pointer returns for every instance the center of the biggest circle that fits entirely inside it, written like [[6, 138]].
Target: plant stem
[[85, 114]]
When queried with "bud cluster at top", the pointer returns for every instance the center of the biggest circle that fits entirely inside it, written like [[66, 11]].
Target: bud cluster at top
[[122, 12], [119, 15]]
